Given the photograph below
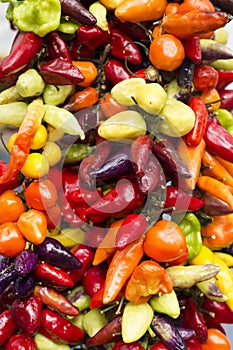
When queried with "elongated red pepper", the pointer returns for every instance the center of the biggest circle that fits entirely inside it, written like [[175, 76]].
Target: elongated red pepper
[[60, 72], [107, 334], [216, 311], [132, 228], [25, 47], [57, 47], [123, 48], [194, 137], [141, 149], [115, 71], [227, 98], [224, 79], [218, 141], [59, 329], [8, 326], [92, 36], [192, 49], [181, 201], [122, 199], [53, 276], [14, 182]]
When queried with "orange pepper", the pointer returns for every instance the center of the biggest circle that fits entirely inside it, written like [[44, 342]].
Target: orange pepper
[[82, 99], [211, 99], [192, 157], [219, 233], [121, 268], [215, 169], [107, 247], [140, 10], [33, 225], [216, 188], [110, 107], [172, 7], [196, 22], [227, 165], [11, 207], [216, 341], [88, 70], [12, 241], [204, 5], [148, 278]]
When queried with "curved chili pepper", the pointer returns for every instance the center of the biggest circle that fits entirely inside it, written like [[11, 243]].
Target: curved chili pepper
[[76, 10], [59, 329], [92, 36], [141, 149], [53, 276], [107, 334], [123, 48], [194, 137], [115, 71], [180, 200], [57, 47], [192, 49], [82, 99], [151, 177], [25, 47]]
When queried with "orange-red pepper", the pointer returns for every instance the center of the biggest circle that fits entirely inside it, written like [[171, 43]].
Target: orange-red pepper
[[12, 241], [218, 233], [89, 71], [11, 207], [33, 225], [82, 99]]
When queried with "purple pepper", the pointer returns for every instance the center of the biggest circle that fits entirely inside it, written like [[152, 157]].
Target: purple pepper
[[25, 262]]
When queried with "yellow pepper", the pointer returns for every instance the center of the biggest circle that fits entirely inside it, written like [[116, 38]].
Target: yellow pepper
[[206, 256], [227, 258]]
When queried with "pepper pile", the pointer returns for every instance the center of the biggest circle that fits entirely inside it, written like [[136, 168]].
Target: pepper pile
[[116, 205]]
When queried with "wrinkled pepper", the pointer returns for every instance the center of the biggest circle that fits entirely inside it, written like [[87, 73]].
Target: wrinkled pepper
[[56, 46], [191, 227]]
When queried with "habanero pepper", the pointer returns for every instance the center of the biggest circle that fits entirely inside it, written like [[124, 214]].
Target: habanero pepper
[[33, 226], [194, 137], [58, 328], [11, 207], [21, 146]]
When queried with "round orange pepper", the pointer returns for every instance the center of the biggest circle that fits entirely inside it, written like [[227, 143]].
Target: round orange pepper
[[41, 195], [216, 340], [218, 233], [12, 241], [33, 225], [11, 207], [211, 99]]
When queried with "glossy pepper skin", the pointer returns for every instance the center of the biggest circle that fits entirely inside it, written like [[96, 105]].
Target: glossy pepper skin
[[216, 311], [107, 334], [115, 71], [59, 329], [192, 49], [14, 182], [21, 341], [218, 141], [8, 326], [77, 11], [180, 200], [57, 47], [25, 47], [92, 36]]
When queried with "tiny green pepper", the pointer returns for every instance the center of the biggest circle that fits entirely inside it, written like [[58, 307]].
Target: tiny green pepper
[[191, 227], [38, 16], [76, 153], [67, 26]]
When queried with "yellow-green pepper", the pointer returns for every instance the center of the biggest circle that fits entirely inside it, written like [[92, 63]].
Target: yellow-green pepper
[[191, 227]]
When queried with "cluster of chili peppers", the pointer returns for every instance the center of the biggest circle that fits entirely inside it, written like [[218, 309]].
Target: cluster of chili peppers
[[124, 241]]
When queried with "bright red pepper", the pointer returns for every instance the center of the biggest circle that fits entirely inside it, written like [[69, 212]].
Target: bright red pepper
[[181, 201], [216, 311], [59, 329], [194, 137], [14, 182], [92, 36], [115, 71], [7, 326], [192, 49], [93, 279], [57, 47], [21, 341], [141, 149], [227, 98], [224, 79]]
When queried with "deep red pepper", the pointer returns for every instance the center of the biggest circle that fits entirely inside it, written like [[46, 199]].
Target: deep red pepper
[[218, 141], [125, 197], [59, 329], [192, 49], [181, 201], [123, 48], [60, 72], [76, 10], [53, 276], [79, 50], [121, 345], [84, 172], [93, 279], [141, 149], [159, 346], [224, 79], [133, 226], [7, 326], [92, 36], [115, 71], [227, 96], [107, 334], [193, 319], [150, 179], [216, 311], [97, 298], [13, 182], [194, 137], [85, 254], [57, 47], [25, 47], [21, 341], [70, 215], [193, 344]]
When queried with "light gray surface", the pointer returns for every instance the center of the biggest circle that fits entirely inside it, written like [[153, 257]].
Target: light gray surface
[[6, 37]]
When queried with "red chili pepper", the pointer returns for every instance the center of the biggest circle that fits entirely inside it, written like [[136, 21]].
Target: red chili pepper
[[97, 298], [110, 107], [8, 326], [181, 201], [21, 341], [25, 47], [14, 182], [151, 177], [194, 320], [107, 334], [218, 141], [123, 48], [59, 329], [192, 49], [57, 47], [60, 72], [92, 36], [224, 79], [121, 345], [115, 71], [79, 50], [216, 311], [93, 279], [122, 199], [141, 149], [133, 226], [227, 98], [76, 10], [55, 300], [193, 344], [85, 254], [53, 276], [194, 137], [159, 346]]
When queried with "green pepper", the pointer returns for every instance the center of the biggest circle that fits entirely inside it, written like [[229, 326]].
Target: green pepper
[[191, 227], [67, 26], [38, 16], [76, 153], [226, 119], [55, 95]]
